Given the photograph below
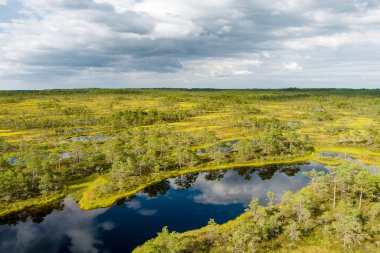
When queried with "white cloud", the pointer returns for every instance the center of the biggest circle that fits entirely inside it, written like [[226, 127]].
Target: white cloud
[[335, 41], [185, 9], [292, 66], [223, 67], [175, 29], [3, 2], [291, 5]]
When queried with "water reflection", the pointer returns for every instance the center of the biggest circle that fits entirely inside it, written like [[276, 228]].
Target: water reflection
[[186, 181], [251, 182], [157, 189], [36, 215], [215, 175], [183, 203], [68, 230]]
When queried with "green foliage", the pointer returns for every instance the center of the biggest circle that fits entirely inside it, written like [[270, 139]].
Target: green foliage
[[48, 105], [245, 150], [140, 117], [22, 122], [13, 185], [167, 243], [5, 146], [76, 110], [273, 137], [347, 226], [321, 114], [293, 232]]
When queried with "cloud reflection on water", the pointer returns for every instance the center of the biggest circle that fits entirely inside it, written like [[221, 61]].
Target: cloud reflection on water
[[240, 186], [196, 195], [71, 224], [235, 189]]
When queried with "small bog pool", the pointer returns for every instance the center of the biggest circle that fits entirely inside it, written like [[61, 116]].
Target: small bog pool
[[182, 203]]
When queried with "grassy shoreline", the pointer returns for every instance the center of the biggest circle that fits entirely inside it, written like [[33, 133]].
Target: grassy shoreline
[[29, 203], [79, 188], [108, 201], [85, 185]]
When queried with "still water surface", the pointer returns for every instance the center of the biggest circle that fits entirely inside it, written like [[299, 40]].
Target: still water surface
[[182, 203]]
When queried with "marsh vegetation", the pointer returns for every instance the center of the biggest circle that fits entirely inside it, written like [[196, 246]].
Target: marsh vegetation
[[99, 146]]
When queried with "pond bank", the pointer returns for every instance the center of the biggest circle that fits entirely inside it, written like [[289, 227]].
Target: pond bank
[[84, 186], [182, 203], [90, 201]]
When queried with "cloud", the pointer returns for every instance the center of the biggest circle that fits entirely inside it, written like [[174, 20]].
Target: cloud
[[112, 41], [223, 67], [292, 66], [335, 41]]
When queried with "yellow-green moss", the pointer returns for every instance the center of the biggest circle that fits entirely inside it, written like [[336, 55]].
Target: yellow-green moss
[[33, 202]]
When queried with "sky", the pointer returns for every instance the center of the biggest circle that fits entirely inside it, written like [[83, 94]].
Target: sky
[[189, 43]]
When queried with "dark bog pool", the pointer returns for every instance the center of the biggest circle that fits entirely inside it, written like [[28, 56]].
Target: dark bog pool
[[181, 203]]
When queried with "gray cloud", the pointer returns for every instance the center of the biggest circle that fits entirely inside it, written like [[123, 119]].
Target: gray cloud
[[188, 43]]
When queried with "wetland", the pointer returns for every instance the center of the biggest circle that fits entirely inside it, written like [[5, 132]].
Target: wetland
[[118, 159]]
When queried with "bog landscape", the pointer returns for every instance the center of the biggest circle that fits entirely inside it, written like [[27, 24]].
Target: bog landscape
[[184, 126], [201, 170]]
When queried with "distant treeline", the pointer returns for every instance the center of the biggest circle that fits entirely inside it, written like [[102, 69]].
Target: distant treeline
[[331, 91]]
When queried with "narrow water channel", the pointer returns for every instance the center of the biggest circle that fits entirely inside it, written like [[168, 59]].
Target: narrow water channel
[[182, 203]]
